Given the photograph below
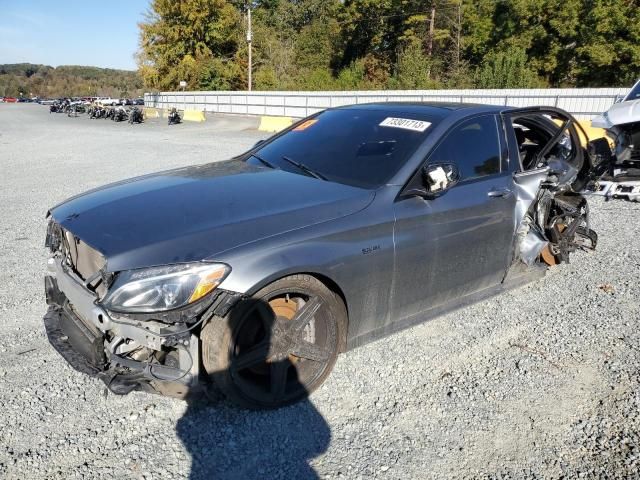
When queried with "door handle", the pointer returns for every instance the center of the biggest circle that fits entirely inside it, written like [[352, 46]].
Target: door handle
[[499, 192]]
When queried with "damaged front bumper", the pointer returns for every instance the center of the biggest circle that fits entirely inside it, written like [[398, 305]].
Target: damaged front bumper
[[126, 353]]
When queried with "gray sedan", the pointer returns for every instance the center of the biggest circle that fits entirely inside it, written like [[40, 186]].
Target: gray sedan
[[253, 274]]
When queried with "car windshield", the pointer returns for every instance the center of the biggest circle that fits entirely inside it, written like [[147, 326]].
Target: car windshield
[[634, 94], [358, 147]]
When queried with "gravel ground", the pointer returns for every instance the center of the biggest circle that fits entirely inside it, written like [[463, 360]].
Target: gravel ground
[[541, 382]]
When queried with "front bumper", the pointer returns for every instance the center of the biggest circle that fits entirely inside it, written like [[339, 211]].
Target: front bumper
[[71, 339], [96, 344], [85, 353]]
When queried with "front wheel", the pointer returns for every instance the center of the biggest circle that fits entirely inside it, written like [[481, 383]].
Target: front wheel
[[278, 346]]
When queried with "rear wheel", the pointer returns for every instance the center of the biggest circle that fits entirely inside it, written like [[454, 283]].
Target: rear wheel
[[277, 347]]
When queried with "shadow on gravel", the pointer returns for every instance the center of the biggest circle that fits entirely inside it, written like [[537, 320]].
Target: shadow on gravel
[[226, 442]]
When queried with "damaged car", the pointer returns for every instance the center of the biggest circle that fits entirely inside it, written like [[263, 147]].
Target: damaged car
[[252, 275], [622, 124]]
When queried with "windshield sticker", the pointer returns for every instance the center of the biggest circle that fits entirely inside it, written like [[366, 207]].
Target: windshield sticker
[[406, 123], [305, 125]]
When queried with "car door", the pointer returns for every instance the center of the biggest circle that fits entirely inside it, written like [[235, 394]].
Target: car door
[[461, 241]]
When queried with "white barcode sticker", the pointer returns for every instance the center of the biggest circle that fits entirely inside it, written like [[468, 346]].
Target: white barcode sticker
[[406, 123]]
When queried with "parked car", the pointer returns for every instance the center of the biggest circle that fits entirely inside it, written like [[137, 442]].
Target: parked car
[[47, 101], [359, 221], [622, 122], [138, 101], [107, 101], [10, 99]]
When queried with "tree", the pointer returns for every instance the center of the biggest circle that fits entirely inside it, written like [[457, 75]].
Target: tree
[[181, 40], [45, 81], [507, 69], [360, 44]]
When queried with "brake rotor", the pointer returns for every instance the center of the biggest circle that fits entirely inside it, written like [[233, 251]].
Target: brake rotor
[[285, 308], [547, 255]]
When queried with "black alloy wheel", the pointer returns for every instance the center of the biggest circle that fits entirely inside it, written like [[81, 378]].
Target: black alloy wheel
[[275, 348]]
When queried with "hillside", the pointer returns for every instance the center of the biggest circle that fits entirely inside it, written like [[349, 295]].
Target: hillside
[[67, 80]]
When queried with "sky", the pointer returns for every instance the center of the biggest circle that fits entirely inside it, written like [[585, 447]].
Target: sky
[[100, 33]]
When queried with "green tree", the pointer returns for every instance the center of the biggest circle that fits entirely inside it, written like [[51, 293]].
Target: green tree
[[179, 40], [414, 70], [508, 69], [360, 44]]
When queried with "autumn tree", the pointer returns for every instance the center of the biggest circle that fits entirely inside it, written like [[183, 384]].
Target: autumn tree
[[196, 41]]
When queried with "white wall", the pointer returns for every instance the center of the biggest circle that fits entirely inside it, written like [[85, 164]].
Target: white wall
[[584, 103]]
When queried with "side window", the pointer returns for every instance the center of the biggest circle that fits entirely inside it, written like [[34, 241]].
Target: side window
[[473, 146]]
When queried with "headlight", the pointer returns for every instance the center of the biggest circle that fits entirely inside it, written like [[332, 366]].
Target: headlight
[[159, 289]]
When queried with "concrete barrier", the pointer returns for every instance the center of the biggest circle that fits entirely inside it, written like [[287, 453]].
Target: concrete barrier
[[150, 112], [187, 115], [193, 116], [274, 124]]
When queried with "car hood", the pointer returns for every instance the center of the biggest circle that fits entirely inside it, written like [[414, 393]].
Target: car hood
[[619, 114], [197, 212]]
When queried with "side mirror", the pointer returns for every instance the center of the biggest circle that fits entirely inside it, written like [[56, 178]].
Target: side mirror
[[619, 98], [439, 177]]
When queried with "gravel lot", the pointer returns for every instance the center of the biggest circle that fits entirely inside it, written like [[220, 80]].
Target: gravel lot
[[542, 382]]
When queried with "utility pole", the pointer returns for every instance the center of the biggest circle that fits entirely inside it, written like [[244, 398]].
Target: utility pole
[[249, 39], [432, 23], [458, 32]]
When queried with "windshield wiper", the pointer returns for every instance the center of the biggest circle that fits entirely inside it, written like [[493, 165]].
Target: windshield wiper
[[304, 168], [264, 162]]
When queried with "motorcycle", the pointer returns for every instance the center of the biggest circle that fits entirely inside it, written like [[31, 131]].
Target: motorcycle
[[135, 116], [119, 115], [96, 111], [174, 117], [74, 109]]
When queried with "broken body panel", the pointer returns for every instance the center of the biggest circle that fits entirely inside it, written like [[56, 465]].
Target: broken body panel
[[622, 123], [396, 257]]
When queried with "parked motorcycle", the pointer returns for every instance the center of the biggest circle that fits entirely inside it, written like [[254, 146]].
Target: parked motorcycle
[[119, 115], [74, 109], [97, 112], [135, 116], [174, 117]]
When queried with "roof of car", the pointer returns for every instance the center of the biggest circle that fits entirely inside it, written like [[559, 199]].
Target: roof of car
[[439, 109]]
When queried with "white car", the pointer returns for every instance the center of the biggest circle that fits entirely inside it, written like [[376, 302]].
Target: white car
[[104, 101], [622, 122]]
